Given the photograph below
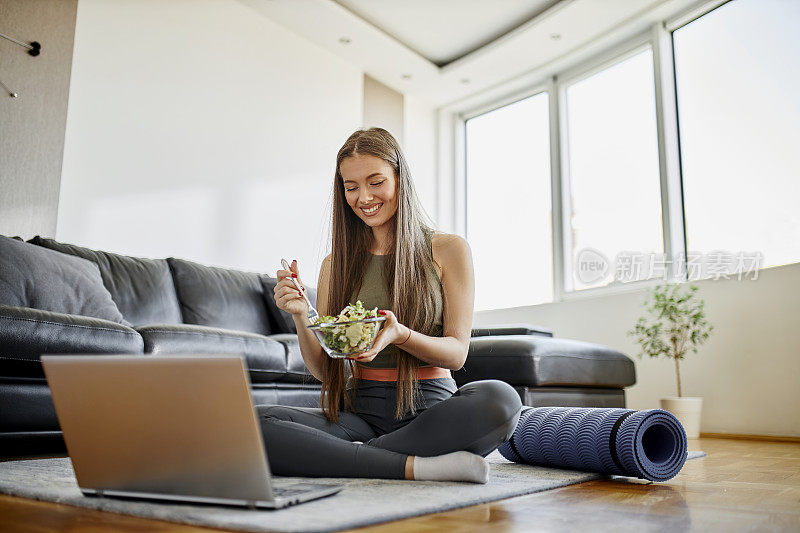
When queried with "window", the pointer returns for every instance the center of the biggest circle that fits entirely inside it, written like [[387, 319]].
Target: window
[[508, 204], [729, 167], [737, 79], [611, 173]]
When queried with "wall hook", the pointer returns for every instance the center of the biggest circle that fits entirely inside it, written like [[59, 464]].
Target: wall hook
[[34, 49], [11, 93]]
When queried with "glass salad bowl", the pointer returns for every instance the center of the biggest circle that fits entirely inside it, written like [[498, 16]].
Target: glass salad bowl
[[347, 338]]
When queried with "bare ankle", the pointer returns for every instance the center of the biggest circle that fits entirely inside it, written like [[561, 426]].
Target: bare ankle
[[410, 467]]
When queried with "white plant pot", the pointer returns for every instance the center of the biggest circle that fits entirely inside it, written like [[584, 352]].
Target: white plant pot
[[687, 411]]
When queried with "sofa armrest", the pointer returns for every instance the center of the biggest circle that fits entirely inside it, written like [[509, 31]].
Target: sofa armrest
[[27, 333], [511, 329], [538, 361]]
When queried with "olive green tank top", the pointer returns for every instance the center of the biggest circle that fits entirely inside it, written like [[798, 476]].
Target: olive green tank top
[[373, 294]]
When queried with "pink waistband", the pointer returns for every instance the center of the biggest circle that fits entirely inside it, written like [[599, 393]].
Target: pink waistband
[[390, 374]]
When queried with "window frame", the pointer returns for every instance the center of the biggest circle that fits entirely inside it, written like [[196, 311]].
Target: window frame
[[461, 168], [657, 38], [611, 57]]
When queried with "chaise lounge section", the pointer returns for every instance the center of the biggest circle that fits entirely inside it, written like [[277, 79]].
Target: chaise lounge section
[[98, 302]]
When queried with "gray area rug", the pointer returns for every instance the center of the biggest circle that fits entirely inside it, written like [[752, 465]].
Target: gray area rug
[[362, 502]]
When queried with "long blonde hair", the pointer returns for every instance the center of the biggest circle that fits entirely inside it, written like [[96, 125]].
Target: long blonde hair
[[408, 265]]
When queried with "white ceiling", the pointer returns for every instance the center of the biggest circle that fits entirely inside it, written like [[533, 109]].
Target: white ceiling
[[441, 30], [402, 42]]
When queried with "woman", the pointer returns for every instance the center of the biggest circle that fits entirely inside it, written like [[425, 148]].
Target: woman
[[400, 415]]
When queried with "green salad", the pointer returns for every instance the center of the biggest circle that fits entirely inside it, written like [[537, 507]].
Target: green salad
[[351, 337]]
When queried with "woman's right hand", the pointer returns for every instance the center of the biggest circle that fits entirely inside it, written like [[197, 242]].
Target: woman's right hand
[[287, 297]]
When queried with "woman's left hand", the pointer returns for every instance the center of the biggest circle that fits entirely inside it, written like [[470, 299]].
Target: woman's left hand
[[391, 332]]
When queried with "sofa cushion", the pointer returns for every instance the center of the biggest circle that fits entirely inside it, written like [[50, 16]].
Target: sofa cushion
[[142, 288], [31, 276], [296, 370], [283, 321], [220, 298], [266, 358], [537, 361], [27, 333]]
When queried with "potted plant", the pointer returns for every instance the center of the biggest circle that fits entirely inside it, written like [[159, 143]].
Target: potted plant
[[675, 323]]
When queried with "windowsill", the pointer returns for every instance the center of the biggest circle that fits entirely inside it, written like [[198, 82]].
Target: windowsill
[[595, 292], [612, 289], [632, 287]]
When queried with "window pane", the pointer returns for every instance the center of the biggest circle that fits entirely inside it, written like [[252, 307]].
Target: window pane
[[613, 167], [508, 204], [738, 81]]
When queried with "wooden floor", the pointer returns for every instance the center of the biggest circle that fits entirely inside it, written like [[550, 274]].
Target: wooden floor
[[741, 485]]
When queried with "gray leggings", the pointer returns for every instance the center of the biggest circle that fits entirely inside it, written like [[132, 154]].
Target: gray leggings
[[477, 417]]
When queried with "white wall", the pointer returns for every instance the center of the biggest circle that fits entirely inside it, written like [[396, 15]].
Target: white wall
[[420, 144], [201, 129], [748, 372], [383, 108]]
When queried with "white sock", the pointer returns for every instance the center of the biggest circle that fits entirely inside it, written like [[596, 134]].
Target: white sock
[[456, 466]]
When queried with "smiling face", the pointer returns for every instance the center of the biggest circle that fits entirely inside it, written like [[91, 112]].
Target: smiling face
[[370, 188]]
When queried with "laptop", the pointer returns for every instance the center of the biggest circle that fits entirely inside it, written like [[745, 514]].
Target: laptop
[[167, 427]]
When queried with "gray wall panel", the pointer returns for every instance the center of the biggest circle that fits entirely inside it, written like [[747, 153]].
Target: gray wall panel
[[32, 125]]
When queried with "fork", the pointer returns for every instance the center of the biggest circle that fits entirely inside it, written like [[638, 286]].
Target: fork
[[312, 312]]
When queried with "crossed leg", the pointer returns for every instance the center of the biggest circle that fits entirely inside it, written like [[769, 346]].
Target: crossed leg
[[300, 441], [477, 418]]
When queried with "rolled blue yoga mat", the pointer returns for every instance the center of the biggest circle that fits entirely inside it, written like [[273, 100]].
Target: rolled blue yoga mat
[[645, 444]]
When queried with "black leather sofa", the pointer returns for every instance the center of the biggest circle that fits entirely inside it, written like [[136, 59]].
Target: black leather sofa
[[177, 306]]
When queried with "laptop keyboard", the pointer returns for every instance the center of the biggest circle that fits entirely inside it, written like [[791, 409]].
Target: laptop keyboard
[[281, 492]]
